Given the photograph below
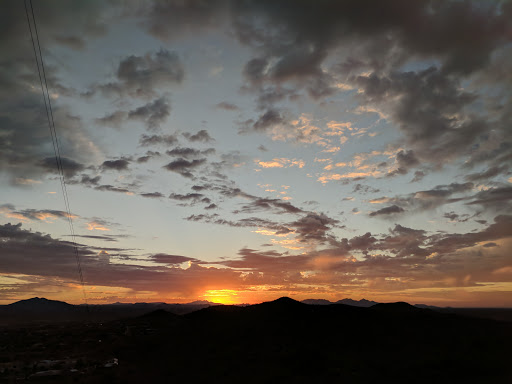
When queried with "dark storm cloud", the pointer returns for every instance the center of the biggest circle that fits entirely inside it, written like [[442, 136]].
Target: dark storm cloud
[[88, 180], [112, 188], [444, 30], [190, 197], [496, 199], [404, 160], [392, 209], [488, 174], [184, 152], [62, 22], [362, 242], [69, 167], [292, 40], [73, 42], [172, 19], [98, 237], [418, 176], [118, 165], [154, 195], [267, 120], [254, 70], [147, 140], [256, 204], [361, 188], [313, 227], [425, 102], [20, 247], [148, 156], [33, 253], [272, 205], [183, 167], [227, 106], [33, 214], [269, 96], [153, 114], [171, 259], [501, 228], [201, 136], [253, 222], [444, 191], [24, 134], [141, 76], [269, 261], [115, 119], [455, 217], [430, 198], [25, 139]]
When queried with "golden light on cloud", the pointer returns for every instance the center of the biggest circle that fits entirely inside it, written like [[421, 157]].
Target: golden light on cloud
[[281, 163], [380, 200], [336, 176], [267, 232], [289, 244], [17, 216], [23, 181], [270, 164], [331, 149], [95, 226]]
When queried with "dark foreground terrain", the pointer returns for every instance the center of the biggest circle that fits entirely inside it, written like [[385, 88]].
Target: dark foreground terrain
[[283, 341]]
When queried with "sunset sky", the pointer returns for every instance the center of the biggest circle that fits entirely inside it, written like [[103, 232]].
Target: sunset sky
[[240, 151]]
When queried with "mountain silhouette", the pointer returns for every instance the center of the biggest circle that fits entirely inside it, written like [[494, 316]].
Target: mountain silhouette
[[39, 304], [280, 341], [317, 302], [399, 306], [357, 303]]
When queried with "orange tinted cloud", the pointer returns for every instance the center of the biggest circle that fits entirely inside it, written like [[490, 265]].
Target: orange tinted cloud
[[95, 226], [281, 163]]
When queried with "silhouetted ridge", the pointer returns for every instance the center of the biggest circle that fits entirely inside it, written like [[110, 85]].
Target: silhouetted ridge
[[40, 304], [316, 302], [399, 306], [285, 301], [357, 303], [159, 313]]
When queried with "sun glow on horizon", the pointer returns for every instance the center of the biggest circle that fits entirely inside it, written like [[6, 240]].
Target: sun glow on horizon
[[221, 296]]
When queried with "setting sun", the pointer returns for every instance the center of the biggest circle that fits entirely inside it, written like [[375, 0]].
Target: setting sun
[[221, 296]]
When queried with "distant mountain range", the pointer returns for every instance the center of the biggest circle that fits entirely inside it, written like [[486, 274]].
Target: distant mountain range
[[39, 304], [281, 341], [356, 303], [41, 309]]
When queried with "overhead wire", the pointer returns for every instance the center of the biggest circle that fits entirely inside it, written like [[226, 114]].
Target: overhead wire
[[53, 132]]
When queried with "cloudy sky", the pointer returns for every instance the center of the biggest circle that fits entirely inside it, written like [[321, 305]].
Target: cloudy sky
[[239, 151]]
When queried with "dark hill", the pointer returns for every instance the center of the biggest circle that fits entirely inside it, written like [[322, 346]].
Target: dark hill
[[285, 341], [39, 304], [316, 302], [357, 303], [159, 314], [398, 307], [281, 341]]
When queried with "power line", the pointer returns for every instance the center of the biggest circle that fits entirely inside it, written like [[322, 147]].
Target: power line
[[53, 132]]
